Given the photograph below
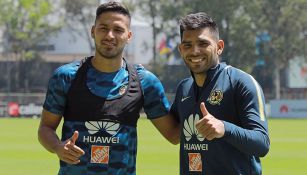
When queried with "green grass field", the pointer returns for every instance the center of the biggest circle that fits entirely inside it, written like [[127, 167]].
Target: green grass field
[[21, 154]]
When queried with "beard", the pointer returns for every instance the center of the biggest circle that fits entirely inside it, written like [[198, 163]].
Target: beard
[[202, 67], [110, 53]]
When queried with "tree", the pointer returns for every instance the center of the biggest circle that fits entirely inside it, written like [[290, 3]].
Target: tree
[[26, 24], [285, 21], [80, 13], [150, 9], [240, 21], [230, 16]]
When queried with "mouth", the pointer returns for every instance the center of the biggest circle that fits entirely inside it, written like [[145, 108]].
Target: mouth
[[195, 60], [108, 43]]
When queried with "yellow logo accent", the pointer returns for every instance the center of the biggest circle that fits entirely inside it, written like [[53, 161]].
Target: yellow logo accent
[[216, 96]]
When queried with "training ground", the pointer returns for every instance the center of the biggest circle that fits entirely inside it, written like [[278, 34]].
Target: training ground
[[21, 153]]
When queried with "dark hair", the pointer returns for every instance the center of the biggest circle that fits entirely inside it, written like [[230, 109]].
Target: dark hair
[[112, 6], [198, 21]]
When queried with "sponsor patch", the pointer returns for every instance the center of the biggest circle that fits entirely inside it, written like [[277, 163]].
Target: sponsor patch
[[195, 163], [100, 154]]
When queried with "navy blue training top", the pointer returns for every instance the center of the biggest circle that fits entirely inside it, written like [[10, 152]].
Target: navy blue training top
[[234, 97]]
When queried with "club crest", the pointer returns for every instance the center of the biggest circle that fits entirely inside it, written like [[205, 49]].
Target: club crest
[[123, 90], [215, 97]]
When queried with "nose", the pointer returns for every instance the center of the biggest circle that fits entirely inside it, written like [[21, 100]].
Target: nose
[[110, 34], [196, 50]]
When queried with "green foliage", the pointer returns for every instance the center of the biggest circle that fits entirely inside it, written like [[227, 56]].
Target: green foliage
[[239, 22], [26, 24], [80, 14], [286, 23]]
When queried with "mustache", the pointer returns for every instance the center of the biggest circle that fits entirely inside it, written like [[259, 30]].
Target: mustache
[[113, 42]]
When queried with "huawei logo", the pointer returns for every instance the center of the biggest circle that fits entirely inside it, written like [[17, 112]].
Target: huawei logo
[[95, 126], [284, 109], [189, 129]]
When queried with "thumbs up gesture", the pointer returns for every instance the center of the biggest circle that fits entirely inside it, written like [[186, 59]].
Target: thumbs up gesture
[[68, 152], [208, 126]]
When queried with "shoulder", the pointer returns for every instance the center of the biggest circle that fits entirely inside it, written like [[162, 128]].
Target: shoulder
[[185, 83], [66, 71], [244, 82], [144, 74], [238, 75]]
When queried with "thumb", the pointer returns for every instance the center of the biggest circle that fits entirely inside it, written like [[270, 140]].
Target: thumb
[[203, 109], [74, 137]]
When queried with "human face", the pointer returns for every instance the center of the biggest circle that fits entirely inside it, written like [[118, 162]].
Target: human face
[[111, 34], [200, 50]]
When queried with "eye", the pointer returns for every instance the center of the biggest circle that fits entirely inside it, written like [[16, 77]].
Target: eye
[[203, 44], [119, 30], [187, 45], [103, 28]]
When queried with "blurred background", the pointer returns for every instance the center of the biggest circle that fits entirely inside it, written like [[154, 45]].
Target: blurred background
[[264, 38], [267, 39]]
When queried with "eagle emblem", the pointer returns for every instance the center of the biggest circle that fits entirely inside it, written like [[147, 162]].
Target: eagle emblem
[[215, 97]]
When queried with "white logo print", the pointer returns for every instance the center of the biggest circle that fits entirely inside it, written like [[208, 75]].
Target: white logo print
[[185, 98], [189, 128], [94, 126]]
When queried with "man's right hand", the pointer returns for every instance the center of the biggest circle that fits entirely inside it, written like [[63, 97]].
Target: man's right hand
[[68, 152]]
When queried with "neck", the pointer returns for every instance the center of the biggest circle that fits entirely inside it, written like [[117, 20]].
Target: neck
[[200, 79], [107, 65]]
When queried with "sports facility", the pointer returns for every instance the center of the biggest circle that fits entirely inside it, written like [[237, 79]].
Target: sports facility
[[234, 74], [22, 154]]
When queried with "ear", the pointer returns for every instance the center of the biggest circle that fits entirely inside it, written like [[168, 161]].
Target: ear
[[129, 35], [93, 32], [179, 48], [220, 47]]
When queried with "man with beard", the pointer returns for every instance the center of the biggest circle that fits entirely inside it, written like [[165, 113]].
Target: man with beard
[[220, 108], [100, 99]]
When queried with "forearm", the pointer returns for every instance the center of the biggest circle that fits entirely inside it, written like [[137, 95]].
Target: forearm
[[48, 138], [168, 127], [174, 135], [254, 142]]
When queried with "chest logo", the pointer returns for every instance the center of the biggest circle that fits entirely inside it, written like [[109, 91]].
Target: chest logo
[[95, 126], [189, 129], [185, 98], [122, 90], [216, 96]]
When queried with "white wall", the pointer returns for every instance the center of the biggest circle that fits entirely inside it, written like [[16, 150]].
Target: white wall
[[297, 75], [138, 50], [69, 42]]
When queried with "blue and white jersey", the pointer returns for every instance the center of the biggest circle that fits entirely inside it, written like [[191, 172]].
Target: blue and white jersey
[[105, 117], [234, 97]]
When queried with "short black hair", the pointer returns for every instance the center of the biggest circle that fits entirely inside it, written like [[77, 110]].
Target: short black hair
[[112, 6], [198, 21]]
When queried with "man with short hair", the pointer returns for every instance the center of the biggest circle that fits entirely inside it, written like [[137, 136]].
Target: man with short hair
[[220, 108], [100, 99]]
